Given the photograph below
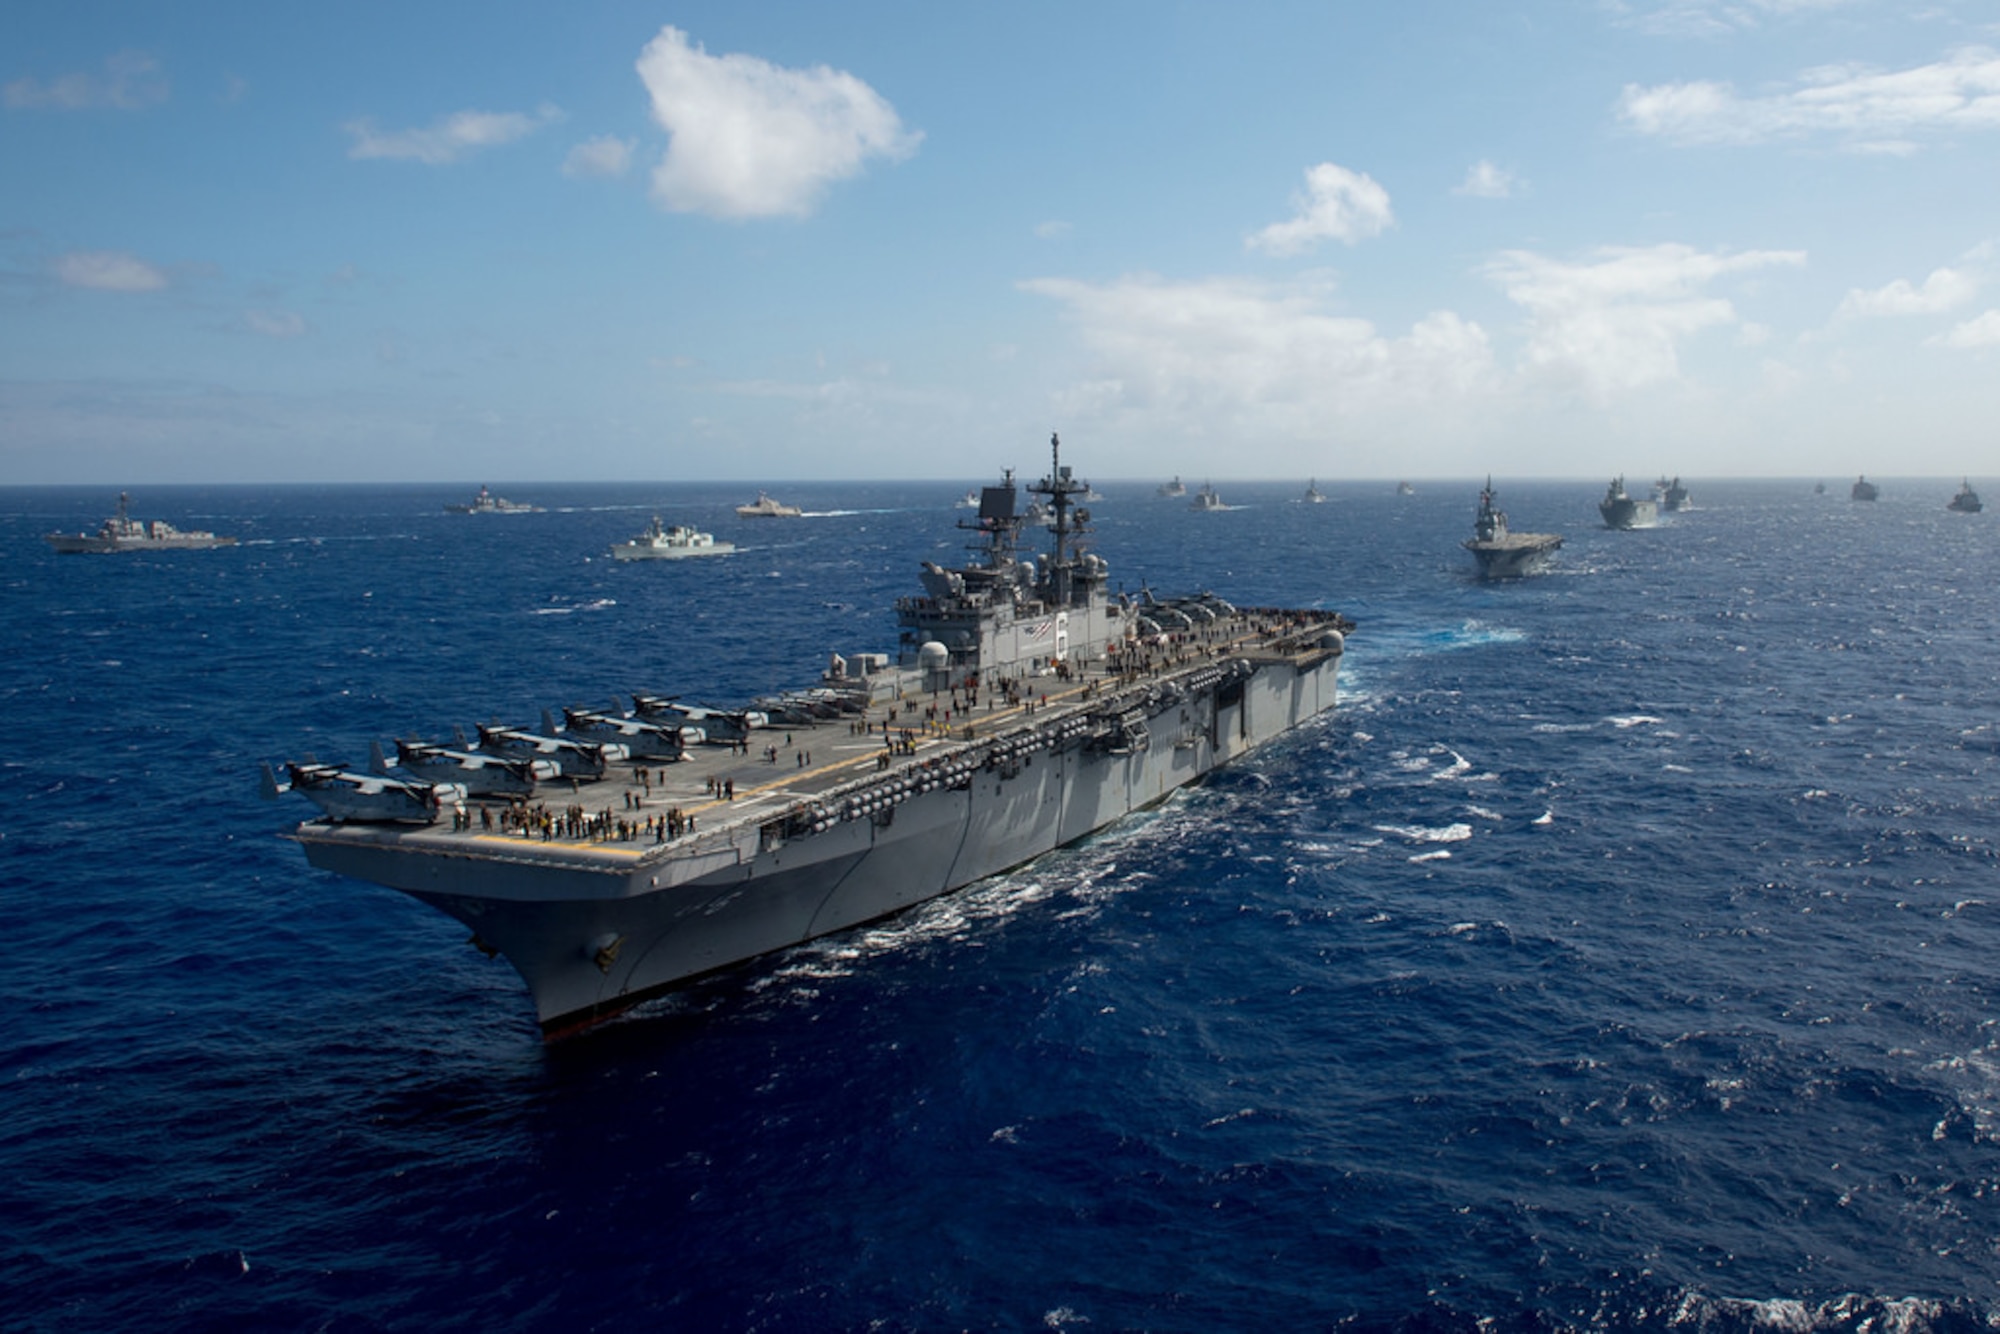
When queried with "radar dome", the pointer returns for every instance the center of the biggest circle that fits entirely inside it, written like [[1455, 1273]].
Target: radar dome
[[932, 655]]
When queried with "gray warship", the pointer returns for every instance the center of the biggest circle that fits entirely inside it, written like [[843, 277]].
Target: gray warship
[[1026, 707], [1623, 511], [122, 532], [1503, 554]]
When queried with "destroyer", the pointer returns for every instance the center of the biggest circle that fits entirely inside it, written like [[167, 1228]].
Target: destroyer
[[488, 503], [1026, 708], [1623, 511], [1966, 501], [122, 532], [1503, 554]]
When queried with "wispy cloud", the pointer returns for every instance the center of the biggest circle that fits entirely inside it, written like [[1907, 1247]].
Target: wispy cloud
[[131, 81], [606, 155], [1051, 230], [1336, 205], [1979, 331], [1615, 320], [448, 139], [1483, 180], [749, 139], [1872, 110], [1944, 290], [1713, 18], [1256, 359], [108, 271]]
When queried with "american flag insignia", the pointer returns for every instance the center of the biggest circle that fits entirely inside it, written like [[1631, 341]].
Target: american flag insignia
[[1042, 630]]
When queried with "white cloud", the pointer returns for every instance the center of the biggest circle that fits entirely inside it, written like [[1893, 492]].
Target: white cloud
[[275, 323], [1254, 360], [447, 139], [1483, 180], [1049, 231], [1876, 111], [1615, 321], [131, 81], [1338, 204], [1943, 290], [606, 155], [749, 139], [108, 271], [1980, 331]]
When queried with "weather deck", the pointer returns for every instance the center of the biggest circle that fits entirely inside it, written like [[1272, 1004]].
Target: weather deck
[[719, 790]]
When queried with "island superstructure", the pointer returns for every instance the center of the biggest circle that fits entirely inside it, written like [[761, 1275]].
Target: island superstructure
[[1026, 706]]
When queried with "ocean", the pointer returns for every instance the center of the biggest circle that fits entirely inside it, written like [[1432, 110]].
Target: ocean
[[1621, 954]]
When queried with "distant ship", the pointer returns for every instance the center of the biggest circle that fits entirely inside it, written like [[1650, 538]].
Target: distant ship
[[1864, 489], [122, 532], [1671, 495], [1966, 501], [1207, 499], [1819, 488], [674, 543], [1173, 489], [1623, 511], [1503, 554], [1027, 707], [488, 503], [970, 500], [766, 508], [1405, 489], [1312, 495]]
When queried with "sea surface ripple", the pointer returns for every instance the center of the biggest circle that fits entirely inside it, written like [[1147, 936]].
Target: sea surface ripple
[[1621, 954]]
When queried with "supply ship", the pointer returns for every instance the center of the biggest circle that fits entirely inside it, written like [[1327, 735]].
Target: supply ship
[[623, 853]]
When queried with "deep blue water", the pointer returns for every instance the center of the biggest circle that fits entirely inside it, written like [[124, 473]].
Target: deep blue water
[[1622, 954]]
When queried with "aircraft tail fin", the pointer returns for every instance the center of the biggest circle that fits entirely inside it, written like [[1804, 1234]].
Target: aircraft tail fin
[[378, 763], [548, 723], [268, 786]]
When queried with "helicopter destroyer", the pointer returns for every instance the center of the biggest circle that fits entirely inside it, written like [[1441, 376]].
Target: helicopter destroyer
[[1502, 553], [1026, 708]]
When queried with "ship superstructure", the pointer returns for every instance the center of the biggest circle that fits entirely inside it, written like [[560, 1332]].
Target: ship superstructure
[[1025, 708]]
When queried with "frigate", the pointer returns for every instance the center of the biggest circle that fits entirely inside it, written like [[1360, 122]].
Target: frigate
[[1965, 501], [675, 543], [1503, 554], [1026, 707], [1863, 489], [122, 532]]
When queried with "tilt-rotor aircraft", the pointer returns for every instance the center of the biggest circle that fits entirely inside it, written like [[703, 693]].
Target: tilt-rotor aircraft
[[643, 738], [722, 725], [364, 798], [478, 772], [577, 759]]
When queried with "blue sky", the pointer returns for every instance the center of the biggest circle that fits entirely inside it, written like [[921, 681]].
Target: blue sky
[[509, 241]]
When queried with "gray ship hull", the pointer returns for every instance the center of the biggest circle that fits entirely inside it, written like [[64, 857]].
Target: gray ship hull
[[1628, 513], [1519, 555], [594, 928]]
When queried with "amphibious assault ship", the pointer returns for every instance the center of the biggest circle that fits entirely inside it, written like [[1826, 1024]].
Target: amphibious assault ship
[[1025, 708]]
